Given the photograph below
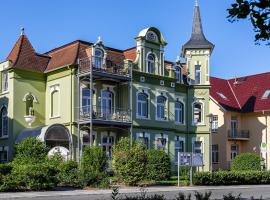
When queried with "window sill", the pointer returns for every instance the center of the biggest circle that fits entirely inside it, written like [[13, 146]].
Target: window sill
[[5, 92], [55, 117], [143, 118], [162, 120], [199, 124], [4, 137]]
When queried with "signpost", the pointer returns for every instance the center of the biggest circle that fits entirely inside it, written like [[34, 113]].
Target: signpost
[[191, 160]]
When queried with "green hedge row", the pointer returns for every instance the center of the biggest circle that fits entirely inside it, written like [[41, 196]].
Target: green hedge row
[[232, 178]]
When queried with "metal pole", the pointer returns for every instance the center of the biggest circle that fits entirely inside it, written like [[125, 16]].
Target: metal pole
[[191, 170], [178, 168], [78, 114], [91, 104], [130, 100]]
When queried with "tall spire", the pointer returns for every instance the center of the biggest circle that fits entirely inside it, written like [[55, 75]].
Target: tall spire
[[197, 40]]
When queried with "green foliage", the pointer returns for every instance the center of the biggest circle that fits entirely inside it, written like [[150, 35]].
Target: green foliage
[[246, 162], [231, 177], [93, 166], [5, 168], [129, 162], [158, 165], [257, 11], [39, 176], [68, 174], [30, 150]]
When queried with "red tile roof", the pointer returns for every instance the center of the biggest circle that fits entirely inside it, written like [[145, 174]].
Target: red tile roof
[[23, 56], [243, 94]]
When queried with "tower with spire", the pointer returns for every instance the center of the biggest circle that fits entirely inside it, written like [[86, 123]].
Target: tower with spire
[[197, 52]]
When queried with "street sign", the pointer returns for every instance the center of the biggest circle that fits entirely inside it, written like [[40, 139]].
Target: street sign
[[263, 147]]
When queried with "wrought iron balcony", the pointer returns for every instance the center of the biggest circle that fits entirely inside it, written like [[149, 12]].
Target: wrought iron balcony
[[103, 114], [238, 135], [113, 66]]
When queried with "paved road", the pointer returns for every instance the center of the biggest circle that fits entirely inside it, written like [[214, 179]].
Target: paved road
[[169, 192]]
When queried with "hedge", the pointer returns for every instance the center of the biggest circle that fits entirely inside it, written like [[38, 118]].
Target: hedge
[[231, 178], [246, 162]]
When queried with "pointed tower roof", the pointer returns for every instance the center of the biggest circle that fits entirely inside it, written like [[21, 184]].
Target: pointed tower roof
[[197, 40], [23, 56]]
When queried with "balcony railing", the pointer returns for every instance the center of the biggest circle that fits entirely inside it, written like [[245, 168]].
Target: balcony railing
[[238, 134], [109, 65], [104, 114]]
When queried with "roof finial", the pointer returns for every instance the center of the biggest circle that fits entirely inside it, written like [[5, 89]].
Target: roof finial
[[197, 3], [99, 39], [22, 30]]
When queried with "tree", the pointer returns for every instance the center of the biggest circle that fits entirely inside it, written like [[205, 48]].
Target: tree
[[258, 12]]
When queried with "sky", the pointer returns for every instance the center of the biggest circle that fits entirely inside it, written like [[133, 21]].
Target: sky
[[51, 23]]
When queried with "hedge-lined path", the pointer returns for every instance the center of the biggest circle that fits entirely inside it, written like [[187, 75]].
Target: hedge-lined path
[[169, 192]]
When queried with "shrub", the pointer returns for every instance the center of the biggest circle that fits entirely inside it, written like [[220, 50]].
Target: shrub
[[246, 162], [231, 178], [68, 174], [129, 162], [93, 166], [30, 150], [158, 165], [38, 176], [5, 168]]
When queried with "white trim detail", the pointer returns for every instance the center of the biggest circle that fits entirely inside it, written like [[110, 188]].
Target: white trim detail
[[202, 123], [54, 88]]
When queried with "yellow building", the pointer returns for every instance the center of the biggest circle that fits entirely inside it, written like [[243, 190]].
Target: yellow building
[[240, 118]]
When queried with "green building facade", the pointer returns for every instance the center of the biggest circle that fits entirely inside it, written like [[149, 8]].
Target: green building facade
[[89, 94]]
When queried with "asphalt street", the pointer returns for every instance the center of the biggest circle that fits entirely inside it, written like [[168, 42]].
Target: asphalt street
[[169, 192]]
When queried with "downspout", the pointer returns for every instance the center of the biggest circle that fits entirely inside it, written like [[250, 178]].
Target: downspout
[[71, 108]]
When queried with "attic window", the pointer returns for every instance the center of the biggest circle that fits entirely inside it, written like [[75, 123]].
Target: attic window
[[222, 95], [266, 94]]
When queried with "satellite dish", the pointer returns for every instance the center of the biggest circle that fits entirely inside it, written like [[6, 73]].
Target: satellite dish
[[64, 152]]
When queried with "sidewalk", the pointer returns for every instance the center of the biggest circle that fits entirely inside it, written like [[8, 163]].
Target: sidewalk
[[126, 190]]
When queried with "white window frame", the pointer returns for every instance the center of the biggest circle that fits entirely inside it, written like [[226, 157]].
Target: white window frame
[[202, 123], [183, 111], [166, 108], [4, 148], [179, 139], [214, 124], [7, 135], [200, 139], [178, 74], [144, 135], [83, 131], [106, 134], [142, 91], [164, 136], [266, 94], [54, 88], [4, 83], [195, 75], [234, 152], [112, 99], [152, 62]]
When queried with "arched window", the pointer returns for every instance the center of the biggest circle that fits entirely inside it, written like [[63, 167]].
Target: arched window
[[178, 74], [161, 107], [29, 107], [98, 58], [151, 63], [55, 103], [4, 122], [142, 105], [179, 112], [197, 113], [107, 102]]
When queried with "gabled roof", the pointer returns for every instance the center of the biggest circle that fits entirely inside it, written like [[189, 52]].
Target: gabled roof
[[244, 94], [23, 56]]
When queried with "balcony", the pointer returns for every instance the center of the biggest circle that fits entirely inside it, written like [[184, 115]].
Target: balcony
[[110, 67], [100, 115], [238, 135]]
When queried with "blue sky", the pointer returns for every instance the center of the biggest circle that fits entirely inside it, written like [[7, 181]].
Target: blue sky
[[50, 23]]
